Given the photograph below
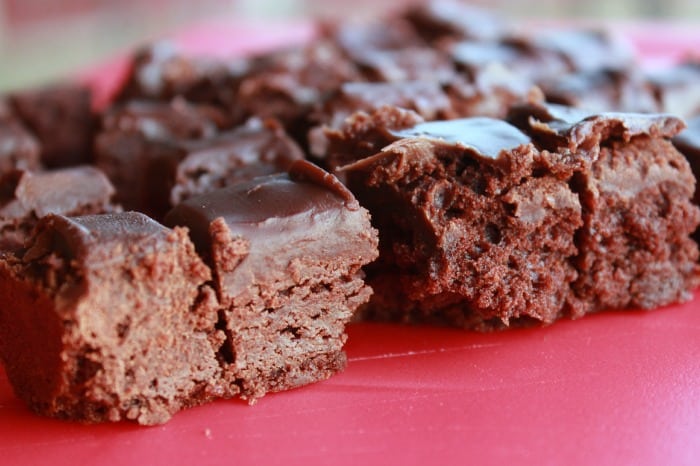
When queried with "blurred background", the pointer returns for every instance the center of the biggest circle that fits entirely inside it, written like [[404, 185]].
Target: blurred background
[[44, 39]]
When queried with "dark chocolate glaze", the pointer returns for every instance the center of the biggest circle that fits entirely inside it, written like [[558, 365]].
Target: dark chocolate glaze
[[487, 137], [263, 207], [582, 129], [89, 236]]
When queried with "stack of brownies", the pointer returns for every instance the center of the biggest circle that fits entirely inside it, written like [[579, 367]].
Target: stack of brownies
[[211, 232]]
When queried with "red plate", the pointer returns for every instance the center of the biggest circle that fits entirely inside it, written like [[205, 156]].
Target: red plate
[[612, 388]]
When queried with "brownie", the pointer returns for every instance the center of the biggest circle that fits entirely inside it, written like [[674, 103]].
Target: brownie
[[60, 117], [19, 149], [255, 149], [634, 249], [586, 49], [27, 196], [363, 134], [286, 252], [603, 90], [162, 120], [677, 88], [161, 71], [483, 225], [545, 54], [286, 85], [151, 175], [475, 227], [390, 50], [102, 321], [427, 98], [452, 19]]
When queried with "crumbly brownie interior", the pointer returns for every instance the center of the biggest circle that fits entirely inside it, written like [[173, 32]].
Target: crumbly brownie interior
[[105, 323]]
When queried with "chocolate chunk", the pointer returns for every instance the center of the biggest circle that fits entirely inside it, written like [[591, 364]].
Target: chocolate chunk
[[390, 52], [28, 196], [287, 252], [102, 321], [60, 117], [583, 130]]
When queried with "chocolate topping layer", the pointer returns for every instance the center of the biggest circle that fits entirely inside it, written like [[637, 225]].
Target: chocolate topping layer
[[487, 137], [582, 129], [28, 196]]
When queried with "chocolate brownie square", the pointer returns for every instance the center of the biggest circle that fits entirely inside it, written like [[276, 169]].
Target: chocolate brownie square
[[476, 224], [634, 247], [60, 117], [286, 251], [27, 196], [286, 85], [102, 320]]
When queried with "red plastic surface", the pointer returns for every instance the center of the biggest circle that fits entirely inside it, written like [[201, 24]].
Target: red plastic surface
[[611, 388]]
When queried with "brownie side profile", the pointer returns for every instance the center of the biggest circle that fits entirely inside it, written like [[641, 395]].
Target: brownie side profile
[[476, 225], [102, 321], [60, 117], [634, 249], [286, 251], [27, 196]]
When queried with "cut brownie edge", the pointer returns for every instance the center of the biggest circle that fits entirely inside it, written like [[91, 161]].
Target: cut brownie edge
[[92, 334]]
